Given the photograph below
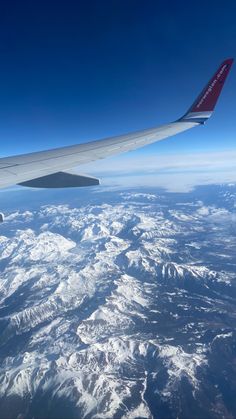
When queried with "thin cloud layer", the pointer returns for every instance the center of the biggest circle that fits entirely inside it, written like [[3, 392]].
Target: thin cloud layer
[[175, 172]]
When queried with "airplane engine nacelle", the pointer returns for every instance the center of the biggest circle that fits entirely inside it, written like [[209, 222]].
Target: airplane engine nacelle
[[1, 217]]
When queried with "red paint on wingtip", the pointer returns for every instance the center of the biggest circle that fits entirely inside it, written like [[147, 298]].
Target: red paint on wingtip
[[206, 101]]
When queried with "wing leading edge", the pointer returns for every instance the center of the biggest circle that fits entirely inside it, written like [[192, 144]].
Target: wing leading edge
[[50, 168]]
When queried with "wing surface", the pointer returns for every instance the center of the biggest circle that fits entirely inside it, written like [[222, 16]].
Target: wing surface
[[28, 169]]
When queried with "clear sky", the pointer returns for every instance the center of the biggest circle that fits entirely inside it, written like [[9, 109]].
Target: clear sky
[[72, 71]]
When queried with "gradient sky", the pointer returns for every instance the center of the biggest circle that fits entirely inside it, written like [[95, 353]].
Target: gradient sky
[[73, 71]]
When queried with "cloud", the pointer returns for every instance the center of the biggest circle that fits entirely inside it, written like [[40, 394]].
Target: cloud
[[175, 172]]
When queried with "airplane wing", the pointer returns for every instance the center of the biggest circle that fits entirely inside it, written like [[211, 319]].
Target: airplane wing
[[51, 168]]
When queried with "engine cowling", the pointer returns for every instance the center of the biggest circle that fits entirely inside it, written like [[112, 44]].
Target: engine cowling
[[1, 217]]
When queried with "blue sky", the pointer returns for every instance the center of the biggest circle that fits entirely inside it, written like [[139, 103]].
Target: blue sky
[[73, 71]]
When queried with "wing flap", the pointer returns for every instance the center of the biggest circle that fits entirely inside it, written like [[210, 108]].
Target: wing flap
[[61, 180]]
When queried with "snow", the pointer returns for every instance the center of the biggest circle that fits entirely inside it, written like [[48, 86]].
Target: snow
[[180, 363], [93, 286]]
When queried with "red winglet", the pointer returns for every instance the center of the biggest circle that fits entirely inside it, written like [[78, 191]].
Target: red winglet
[[206, 101]]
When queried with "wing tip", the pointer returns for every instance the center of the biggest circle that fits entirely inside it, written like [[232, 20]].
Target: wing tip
[[228, 60], [205, 103]]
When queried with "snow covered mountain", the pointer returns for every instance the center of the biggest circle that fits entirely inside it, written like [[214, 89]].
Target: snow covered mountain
[[121, 308]]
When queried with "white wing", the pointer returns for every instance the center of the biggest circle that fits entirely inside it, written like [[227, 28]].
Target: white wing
[[49, 168]]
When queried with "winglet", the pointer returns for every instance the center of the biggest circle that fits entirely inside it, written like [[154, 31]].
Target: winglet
[[205, 103]]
